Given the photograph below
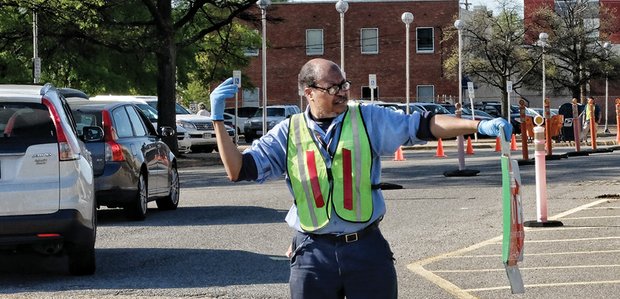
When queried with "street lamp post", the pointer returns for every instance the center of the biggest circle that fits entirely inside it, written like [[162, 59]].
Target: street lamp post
[[407, 18], [263, 4], [342, 7], [542, 38], [459, 139], [36, 61], [606, 47]]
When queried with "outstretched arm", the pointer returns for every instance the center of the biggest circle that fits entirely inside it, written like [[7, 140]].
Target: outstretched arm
[[230, 155], [443, 126]]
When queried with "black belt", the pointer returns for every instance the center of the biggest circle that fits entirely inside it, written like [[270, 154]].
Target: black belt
[[347, 238]]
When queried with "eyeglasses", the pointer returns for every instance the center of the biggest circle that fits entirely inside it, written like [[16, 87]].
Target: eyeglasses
[[334, 89]]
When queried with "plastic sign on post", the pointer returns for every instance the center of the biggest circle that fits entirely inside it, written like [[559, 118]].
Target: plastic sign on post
[[509, 86], [514, 234], [237, 78], [470, 90], [372, 84]]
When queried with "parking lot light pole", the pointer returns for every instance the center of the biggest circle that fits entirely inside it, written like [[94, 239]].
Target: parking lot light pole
[[263, 4], [342, 7], [542, 38], [606, 48], [407, 18]]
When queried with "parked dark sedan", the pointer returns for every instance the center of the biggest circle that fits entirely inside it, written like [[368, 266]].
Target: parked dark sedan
[[132, 165]]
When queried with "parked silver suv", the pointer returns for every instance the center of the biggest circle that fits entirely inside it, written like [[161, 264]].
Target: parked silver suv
[[47, 198], [253, 127]]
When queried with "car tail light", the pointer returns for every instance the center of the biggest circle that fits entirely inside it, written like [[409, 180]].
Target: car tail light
[[67, 149], [113, 150]]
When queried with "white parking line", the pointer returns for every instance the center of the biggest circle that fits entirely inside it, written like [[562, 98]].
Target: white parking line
[[418, 266]]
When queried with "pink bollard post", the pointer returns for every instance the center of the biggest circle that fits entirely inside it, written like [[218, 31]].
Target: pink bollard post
[[541, 179]]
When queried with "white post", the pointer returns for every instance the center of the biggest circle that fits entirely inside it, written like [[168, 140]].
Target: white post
[[407, 18], [342, 7], [263, 7], [36, 61], [543, 42]]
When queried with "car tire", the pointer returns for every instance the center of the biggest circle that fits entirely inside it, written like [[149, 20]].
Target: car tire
[[137, 209], [171, 201]]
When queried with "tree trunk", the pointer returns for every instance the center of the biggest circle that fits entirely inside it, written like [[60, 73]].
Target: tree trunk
[[166, 73]]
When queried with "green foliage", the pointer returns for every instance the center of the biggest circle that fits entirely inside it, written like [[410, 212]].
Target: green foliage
[[575, 54]]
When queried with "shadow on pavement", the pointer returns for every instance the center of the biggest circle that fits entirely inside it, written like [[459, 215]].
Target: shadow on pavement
[[144, 268]]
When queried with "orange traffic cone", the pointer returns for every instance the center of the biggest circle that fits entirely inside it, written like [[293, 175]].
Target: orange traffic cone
[[513, 143], [440, 153], [470, 148], [498, 146], [398, 156]]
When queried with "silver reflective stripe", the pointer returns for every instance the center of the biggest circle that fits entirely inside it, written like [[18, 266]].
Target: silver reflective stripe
[[358, 162], [302, 171]]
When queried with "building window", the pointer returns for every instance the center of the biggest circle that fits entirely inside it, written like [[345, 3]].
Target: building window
[[250, 52], [425, 40], [426, 93], [366, 93], [314, 41], [369, 39]]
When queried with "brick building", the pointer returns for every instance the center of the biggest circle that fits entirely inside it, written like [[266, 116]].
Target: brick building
[[374, 38]]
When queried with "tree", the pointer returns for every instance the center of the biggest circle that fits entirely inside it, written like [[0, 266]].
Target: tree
[[493, 51], [576, 37], [145, 33]]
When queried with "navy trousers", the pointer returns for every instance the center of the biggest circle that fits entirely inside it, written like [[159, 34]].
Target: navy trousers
[[331, 268]]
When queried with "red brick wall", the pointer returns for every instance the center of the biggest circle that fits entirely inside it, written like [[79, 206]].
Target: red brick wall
[[286, 51]]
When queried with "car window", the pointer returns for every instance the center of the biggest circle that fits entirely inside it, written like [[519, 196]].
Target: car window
[[180, 109], [149, 112], [26, 124], [122, 125], [136, 122], [275, 111], [85, 119]]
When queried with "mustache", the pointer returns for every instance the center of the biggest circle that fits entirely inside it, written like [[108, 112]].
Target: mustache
[[340, 97]]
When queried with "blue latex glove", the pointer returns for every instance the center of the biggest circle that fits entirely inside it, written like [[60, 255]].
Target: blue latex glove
[[492, 127], [218, 98]]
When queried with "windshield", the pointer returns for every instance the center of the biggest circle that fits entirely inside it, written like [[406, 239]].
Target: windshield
[[149, 111], [180, 109], [271, 112], [438, 109]]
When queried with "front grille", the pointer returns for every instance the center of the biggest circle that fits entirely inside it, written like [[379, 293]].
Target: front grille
[[204, 126]]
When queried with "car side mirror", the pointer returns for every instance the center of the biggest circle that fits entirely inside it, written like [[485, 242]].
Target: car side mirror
[[92, 134], [166, 131]]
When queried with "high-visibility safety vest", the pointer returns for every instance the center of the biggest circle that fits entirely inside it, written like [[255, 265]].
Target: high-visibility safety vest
[[345, 187]]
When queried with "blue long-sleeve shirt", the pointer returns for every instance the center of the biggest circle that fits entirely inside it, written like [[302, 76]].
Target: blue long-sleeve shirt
[[387, 130]]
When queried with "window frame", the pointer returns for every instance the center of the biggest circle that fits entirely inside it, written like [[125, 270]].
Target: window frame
[[417, 92], [376, 38], [417, 40], [322, 43]]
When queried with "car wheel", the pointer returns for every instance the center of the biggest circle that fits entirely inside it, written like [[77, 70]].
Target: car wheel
[[171, 201], [137, 209]]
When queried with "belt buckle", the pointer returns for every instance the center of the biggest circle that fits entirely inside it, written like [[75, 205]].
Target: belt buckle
[[350, 238]]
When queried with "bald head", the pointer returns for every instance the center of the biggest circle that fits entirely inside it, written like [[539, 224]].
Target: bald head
[[314, 70]]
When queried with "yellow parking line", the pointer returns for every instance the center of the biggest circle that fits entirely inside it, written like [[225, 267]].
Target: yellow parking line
[[527, 268], [536, 254], [418, 266], [542, 285]]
